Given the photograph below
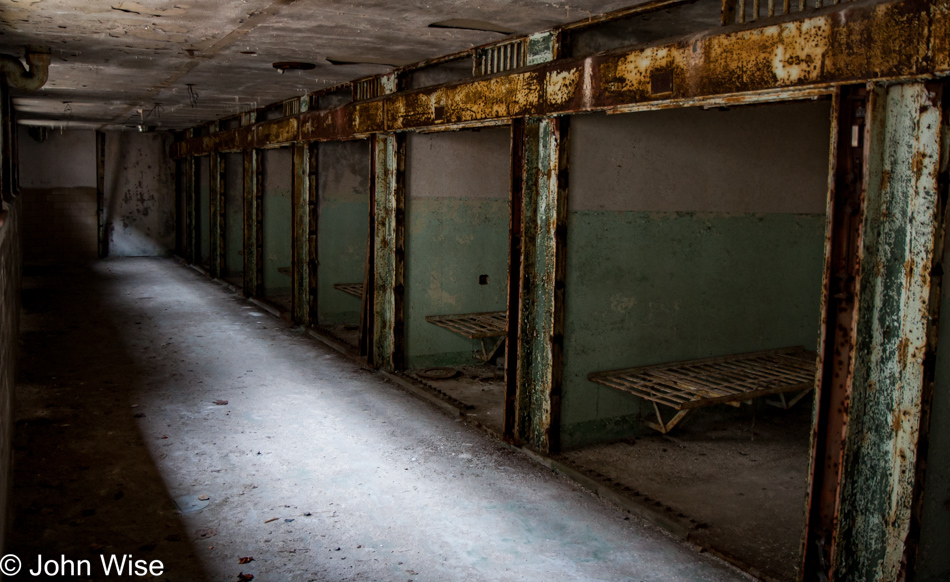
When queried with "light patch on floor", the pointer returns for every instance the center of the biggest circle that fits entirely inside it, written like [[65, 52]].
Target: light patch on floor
[[317, 469]]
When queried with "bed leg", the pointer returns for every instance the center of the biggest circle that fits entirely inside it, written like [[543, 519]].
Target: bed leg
[[786, 404], [487, 356], [798, 397], [661, 425]]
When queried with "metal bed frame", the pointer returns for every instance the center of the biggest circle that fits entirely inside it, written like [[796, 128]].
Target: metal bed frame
[[480, 326], [354, 289], [686, 386]]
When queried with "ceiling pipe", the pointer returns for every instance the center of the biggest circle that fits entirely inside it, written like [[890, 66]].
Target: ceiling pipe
[[18, 76]]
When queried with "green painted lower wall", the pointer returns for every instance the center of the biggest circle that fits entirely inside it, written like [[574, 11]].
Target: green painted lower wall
[[277, 235], [648, 288], [449, 243], [341, 247], [277, 209]]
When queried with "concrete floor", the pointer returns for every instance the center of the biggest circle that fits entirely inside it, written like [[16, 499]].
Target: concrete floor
[[480, 387], [740, 473], [346, 333], [317, 469]]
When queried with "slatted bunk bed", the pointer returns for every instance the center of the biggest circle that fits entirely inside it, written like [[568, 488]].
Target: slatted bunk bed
[[354, 289], [480, 326], [686, 386]]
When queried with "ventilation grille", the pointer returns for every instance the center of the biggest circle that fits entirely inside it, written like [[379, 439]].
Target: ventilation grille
[[291, 107], [501, 57], [741, 11], [367, 89]]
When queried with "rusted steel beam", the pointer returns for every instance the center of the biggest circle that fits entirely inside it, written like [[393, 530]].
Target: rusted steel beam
[[848, 43], [352, 121], [903, 223], [544, 209], [829, 48], [515, 275], [300, 256], [195, 146], [518, 94], [233, 140], [389, 169], [216, 213], [275, 133], [101, 237]]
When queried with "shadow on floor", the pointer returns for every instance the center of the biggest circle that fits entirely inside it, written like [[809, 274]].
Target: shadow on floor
[[314, 466], [84, 482]]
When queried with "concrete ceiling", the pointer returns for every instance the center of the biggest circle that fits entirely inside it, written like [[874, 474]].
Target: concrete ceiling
[[117, 61]]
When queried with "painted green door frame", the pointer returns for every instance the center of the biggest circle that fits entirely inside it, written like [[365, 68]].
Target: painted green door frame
[[388, 272], [303, 154], [540, 320]]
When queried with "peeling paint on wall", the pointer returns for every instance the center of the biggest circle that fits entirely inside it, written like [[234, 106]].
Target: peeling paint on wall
[[139, 194]]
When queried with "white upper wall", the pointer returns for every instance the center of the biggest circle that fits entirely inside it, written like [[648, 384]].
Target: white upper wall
[[63, 160], [755, 160], [462, 164]]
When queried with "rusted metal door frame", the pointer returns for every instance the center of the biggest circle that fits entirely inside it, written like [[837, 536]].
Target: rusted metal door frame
[[930, 362], [399, 251], [368, 303], [560, 281], [253, 227], [216, 213], [102, 241], [840, 285], [300, 241], [191, 234], [880, 301], [515, 275], [313, 221]]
